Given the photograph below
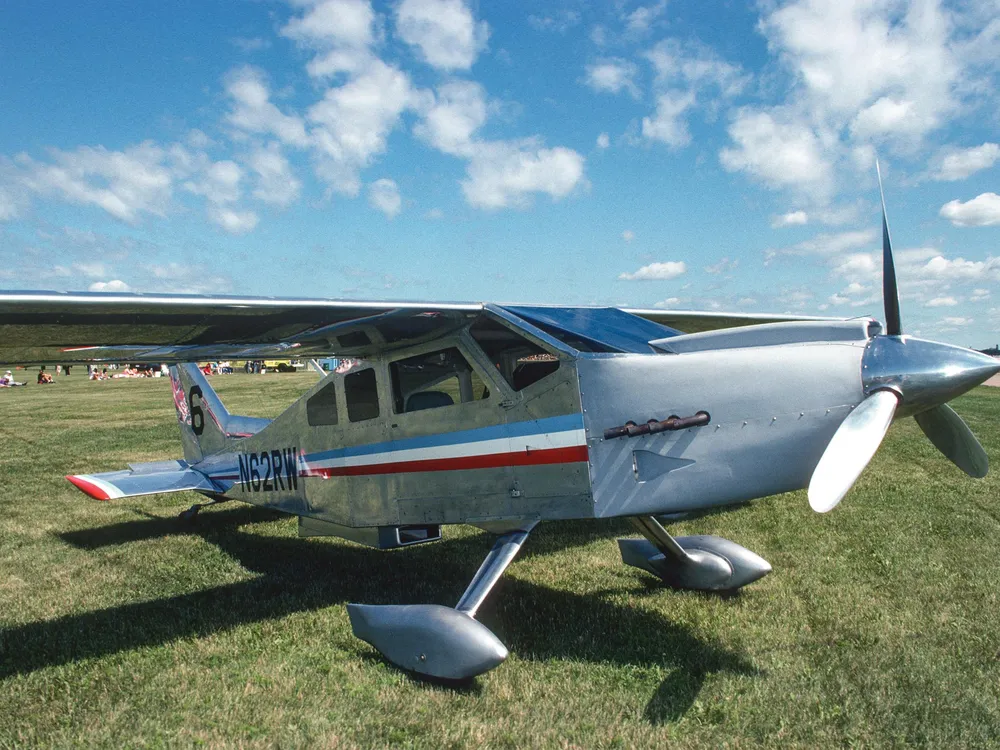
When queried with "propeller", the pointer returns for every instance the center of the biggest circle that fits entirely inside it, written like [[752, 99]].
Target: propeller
[[902, 375]]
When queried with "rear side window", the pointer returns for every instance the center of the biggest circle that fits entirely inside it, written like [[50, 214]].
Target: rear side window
[[361, 393], [321, 408], [433, 380]]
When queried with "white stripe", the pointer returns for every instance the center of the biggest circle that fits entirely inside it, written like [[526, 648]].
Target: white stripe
[[109, 489], [519, 444]]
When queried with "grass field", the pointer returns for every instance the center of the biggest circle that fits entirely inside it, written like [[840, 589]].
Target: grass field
[[122, 627]]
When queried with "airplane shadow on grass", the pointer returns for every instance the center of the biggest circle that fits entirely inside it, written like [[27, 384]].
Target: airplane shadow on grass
[[296, 575]]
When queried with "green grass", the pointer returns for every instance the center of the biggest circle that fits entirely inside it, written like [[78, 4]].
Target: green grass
[[121, 627]]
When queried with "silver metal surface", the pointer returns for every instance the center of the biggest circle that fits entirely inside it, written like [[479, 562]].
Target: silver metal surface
[[924, 373], [710, 563], [772, 418], [952, 436], [496, 562], [850, 450], [771, 334], [428, 638]]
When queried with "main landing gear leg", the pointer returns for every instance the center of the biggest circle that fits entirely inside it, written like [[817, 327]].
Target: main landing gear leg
[[440, 641], [191, 513], [703, 563]]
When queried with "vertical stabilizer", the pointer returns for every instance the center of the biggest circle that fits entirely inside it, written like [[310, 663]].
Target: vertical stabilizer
[[206, 425]]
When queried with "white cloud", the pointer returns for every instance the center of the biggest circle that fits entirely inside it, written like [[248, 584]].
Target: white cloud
[[667, 124], [778, 153], [558, 22], [694, 66], [940, 267], [253, 111], [603, 141], [722, 266], [444, 31], [832, 244], [978, 295], [125, 183], [628, 235], [685, 73], [502, 174], [612, 76], [981, 211], [956, 321], [941, 302], [458, 111], [115, 285], [353, 121], [959, 164], [276, 184], [219, 183], [640, 19], [232, 220], [384, 195], [499, 174], [339, 31], [792, 218], [670, 269], [668, 303]]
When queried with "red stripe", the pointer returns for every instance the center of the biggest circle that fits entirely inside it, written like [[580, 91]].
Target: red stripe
[[573, 454], [88, 487]]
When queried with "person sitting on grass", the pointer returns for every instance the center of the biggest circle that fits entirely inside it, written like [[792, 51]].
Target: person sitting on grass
[[44, 377], [7, 381]]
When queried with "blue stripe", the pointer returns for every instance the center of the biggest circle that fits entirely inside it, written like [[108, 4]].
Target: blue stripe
[[517, 429]]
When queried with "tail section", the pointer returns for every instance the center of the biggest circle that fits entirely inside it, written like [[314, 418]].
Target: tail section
[[144, 479], [207, 427]]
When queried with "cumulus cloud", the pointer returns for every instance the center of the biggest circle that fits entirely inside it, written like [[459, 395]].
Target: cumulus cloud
[[959, 164], [603, 141], [126, 184], [612, 76], [780, 153], [499, 173], [685, 73], [352, 123], [502, 174], [444, 32], [232, 220], [384, 195], [941, 302], [254, 112], [340, 32], [981, 211], [642, 18], [663, 271], [668, 124], [791, 219], [275, 182], [115, 285], [628, 235]]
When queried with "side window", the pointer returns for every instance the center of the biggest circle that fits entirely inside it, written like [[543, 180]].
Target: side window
[[433, 380], [321, 408], [361, 393], [520, 361]]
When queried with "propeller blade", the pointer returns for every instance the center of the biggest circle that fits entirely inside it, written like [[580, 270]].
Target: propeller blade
[[851, 448], [890, 295], [952, 436]]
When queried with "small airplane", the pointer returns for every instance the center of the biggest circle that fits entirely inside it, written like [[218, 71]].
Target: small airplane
[[504, 416]]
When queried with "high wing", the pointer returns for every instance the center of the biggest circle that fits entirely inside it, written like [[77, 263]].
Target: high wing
[[69, 327]]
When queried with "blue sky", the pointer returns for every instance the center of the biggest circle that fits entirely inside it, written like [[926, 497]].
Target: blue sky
[[683, 154]]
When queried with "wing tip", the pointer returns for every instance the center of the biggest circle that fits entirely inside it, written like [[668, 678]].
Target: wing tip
[[83, 483]]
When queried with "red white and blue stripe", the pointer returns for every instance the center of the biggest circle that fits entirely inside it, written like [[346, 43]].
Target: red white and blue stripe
[[555, 440]]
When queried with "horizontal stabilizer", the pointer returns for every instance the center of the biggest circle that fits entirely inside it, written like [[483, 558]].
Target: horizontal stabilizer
[[143, 479]]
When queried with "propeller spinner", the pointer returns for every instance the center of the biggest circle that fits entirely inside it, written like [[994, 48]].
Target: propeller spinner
[[902, 376]]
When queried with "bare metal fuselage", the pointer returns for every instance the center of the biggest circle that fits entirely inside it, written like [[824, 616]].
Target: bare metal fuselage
[[774, 402]]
